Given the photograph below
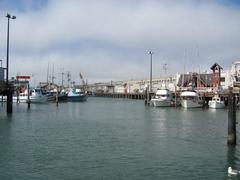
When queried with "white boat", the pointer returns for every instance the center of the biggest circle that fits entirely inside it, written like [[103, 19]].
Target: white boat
[[216, 103], [35, 96], [163, 98], [191, 99], [76, 95]]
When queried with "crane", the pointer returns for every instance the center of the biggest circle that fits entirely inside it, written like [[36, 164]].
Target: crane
[[84, 84]]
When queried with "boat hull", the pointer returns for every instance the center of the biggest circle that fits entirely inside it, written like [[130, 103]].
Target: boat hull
[[161, 103], [80, 98], [190, 104], [61, 98], [216, 105], [41, 99]]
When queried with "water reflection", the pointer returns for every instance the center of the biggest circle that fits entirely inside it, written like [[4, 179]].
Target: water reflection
[[231, 157]]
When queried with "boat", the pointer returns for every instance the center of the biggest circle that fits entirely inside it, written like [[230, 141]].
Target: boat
[[216, 103], [76, 95], [163, 98], [35, 96], [52, 96], [191, 99]]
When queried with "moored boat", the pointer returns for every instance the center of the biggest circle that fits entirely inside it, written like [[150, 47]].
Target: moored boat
[[216, 103], [191, 99], [35, 96], [76, 95], [163, 98]]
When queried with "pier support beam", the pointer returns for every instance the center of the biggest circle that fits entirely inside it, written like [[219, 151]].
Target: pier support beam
[[231, 119]]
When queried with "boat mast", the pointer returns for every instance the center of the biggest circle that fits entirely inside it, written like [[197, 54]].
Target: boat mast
[[62, 78], [68, 78], [47, 72], [53, 74], [184, 66]]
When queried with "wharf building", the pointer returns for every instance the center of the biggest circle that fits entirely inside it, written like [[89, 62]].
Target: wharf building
[[133, 86], [204, 82]]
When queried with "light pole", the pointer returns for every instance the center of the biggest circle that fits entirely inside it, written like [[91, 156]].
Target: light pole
[[151, 53], [9, 17]]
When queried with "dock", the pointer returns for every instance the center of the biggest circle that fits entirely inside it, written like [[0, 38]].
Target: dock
[[141, 96]]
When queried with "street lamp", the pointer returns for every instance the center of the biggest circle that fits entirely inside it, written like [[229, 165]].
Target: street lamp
[[151, 53], [9, 17]]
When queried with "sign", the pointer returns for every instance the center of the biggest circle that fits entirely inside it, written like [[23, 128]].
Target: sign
[[23, 77]]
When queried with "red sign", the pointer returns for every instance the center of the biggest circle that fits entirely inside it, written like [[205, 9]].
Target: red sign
[[23, 77]]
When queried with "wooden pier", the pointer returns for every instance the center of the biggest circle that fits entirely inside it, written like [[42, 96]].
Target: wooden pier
[[121, 95], [141, 96]]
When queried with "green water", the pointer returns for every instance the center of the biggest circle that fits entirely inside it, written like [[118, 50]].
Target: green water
[[110, 139]]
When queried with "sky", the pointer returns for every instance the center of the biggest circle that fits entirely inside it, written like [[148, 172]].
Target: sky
[[110, 39]]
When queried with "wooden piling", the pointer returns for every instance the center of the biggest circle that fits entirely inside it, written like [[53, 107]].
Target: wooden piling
[[9, 101], [175, 99], [146, 96], [28, 101], [231, 118], [18, 101], [57, 98]]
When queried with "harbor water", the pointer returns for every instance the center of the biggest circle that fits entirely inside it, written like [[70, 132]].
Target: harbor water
[[108, 139]]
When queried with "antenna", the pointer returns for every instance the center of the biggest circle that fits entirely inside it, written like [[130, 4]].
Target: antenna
[[165, 68]]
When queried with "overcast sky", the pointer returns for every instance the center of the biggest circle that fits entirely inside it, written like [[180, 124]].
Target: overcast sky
[[110, 39]]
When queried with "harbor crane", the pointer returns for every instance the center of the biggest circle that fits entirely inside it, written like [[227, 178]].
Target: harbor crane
[[84, 84]]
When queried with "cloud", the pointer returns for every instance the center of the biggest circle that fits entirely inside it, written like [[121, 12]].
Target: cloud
[[109, 39]]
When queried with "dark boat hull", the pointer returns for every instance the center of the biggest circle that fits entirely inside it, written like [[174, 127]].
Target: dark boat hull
[[81, 98]]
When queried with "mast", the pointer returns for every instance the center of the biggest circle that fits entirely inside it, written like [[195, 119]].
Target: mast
[[184, 66], [47, 72], [53, 74]]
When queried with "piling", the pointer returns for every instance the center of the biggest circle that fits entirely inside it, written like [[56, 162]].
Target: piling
[[175, 99], [57, 98], [18, 95], [231, 118], [28, 101], [9, 101], [146, 96]]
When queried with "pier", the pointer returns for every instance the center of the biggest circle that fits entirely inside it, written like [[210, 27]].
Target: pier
[[121, 95], [141, 96]]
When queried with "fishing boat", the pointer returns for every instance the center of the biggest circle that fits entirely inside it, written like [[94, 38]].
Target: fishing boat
[[216, 103], [54, 96], [163, 98], [191, 99], [76, 95], [35, 96]]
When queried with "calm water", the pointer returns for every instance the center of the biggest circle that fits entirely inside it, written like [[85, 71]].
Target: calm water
[[114, 139]]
